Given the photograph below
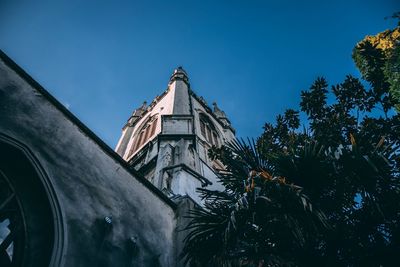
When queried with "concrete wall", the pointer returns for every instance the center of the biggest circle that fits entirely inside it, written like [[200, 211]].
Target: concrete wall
[[90, 182]]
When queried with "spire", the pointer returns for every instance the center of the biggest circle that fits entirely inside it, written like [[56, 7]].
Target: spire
[[139, 111], [137, 114], [221, 115], [218, 112], [179, 74]]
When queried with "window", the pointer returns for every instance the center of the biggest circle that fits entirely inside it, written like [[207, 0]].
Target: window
[[215, 138], [27, 216], [202, 127], [11, 224], [147, 131], [140, 139], [208, 130], [153, 127]]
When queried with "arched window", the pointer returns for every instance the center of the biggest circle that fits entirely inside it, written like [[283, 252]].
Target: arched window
[[146, 131], [28, 232], [208, 130]]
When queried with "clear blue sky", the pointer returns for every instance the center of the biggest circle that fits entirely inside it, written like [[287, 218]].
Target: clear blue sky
[[103, 58]]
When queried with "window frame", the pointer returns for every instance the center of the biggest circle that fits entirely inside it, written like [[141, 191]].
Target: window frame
[[208, 130]]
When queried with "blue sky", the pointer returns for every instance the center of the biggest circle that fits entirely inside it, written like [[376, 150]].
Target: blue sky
[[102, 59]]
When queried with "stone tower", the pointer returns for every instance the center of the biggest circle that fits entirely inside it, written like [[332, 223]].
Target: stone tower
[[168, 139]]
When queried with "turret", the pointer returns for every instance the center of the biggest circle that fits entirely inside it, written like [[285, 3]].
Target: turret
[[179, 86], [179, 74], [168, 140], [137, 114]]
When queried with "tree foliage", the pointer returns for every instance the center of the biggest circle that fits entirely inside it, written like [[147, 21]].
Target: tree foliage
[[378, 59], [325, 194], [260, 218]]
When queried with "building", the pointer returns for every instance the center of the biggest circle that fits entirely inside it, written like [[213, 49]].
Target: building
[[167, 141], [67, 199]]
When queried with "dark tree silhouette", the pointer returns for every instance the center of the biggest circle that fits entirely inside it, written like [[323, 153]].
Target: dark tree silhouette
[[323, 195]]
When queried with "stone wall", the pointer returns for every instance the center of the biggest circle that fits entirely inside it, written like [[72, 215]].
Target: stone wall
[[90, 182]]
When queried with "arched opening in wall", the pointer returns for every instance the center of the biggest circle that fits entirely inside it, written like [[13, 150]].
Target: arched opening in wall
[[27, 227], [146, 131], [208, 130]]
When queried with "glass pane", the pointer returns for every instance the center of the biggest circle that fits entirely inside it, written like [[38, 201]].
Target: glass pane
[[209, 137], [215, 139], [202, 128], [153, 127]]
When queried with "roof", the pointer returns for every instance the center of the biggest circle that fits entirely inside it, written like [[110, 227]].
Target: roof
[[109, 151]]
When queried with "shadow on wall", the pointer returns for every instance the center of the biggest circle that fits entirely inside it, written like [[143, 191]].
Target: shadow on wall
[[31, 228]]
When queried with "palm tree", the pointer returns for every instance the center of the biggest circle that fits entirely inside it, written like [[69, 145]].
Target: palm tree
[[260, 219]]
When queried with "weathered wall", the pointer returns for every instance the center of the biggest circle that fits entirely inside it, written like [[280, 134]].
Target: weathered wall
[[90, 181]]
